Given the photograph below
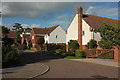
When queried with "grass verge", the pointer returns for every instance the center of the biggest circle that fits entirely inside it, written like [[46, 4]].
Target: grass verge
[[72, 57]]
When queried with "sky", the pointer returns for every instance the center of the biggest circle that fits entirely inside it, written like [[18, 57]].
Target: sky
[[47, 14]]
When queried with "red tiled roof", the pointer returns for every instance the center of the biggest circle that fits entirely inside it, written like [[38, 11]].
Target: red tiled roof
[[12, 34], [47, 30], [96, 21]]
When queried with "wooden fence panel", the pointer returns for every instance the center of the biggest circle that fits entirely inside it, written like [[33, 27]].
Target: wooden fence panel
[[100, 53]]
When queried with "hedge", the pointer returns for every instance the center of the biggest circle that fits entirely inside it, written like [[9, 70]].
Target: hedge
[[80, 53]]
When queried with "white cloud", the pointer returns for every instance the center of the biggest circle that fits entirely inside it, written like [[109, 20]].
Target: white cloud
[[30, 26], [102, 11], [90, 10], [10, 26], [65, 16], [61, 20]]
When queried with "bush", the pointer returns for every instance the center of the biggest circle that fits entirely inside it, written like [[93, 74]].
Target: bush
[[54, 47], [8, 41], [10, 59], [80, 53], [21, 46], [9, 56], [59, 51], [73, 45], [104, 44], [91, 44]]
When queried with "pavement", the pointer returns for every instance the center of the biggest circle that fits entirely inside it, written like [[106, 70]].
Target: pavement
[[106, 62], [29, 70]]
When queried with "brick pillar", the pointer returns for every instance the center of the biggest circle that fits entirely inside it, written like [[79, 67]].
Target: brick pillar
[[116, 52], [80, 15], [66, 47]]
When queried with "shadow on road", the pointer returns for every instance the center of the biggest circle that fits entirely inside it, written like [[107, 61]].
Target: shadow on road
[[33, 57]]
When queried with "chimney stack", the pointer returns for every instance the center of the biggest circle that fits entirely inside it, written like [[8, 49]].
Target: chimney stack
[[80, 15]]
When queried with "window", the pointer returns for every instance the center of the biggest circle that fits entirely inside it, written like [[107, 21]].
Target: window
[[33, 45], [56, 36], [32, 37], [83, 33]]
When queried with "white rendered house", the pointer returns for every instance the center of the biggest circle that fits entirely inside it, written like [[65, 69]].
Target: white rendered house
[[51, 35], [82, 28]]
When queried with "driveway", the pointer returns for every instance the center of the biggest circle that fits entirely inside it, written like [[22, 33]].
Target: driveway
[[65, 68]]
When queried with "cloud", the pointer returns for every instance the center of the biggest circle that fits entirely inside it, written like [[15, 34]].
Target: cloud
[[61, 20], [10, 26], [102, 11], [31, 25], [90, 10], [35, 9]]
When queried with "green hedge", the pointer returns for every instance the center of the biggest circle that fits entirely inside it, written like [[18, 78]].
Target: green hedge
[[80, 53], [91, 44], [54, 47], [59, 51], [10, 57]]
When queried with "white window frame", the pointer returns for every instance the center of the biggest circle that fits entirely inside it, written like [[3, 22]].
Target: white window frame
[[33, 45], [32, 37]]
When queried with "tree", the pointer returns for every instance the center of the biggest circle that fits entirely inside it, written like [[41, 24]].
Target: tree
[[110, 33], [73, 45], [5, 31], [41, 41], [18, 28], [105, 44], [91, 44]]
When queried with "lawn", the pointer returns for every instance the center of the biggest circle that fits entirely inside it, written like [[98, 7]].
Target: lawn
[[72, 57]]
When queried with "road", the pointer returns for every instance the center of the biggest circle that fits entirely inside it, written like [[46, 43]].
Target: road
[[64, 68]]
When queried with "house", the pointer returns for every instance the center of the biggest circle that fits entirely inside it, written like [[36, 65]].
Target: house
[[13, 35], [26, 31], [51, 35], [26, 39], [82, 28]]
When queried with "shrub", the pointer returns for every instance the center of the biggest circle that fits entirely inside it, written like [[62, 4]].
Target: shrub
[[105, 44], [59, 51], [41, 41], [10, 59], [73, 45], [53, 47], [91, 44], [8, 41], [21, 46], [80, 53]]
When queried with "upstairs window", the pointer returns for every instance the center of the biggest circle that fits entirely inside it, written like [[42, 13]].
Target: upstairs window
[[83, 33], [32, 37], [56, 36]]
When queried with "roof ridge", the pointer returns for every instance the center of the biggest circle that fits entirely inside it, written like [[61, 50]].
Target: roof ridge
[[47, 27], [101, 17]]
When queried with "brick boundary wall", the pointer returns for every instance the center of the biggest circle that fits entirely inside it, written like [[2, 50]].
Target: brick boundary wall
[[116, 52]]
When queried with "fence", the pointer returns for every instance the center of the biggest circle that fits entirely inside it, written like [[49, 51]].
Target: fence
[[100, 53]]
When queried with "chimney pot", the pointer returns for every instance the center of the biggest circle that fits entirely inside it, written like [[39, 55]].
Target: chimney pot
[[80, 10]]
